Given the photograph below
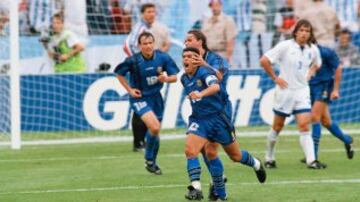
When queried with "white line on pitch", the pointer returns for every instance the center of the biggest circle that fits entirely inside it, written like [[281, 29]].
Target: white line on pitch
[[161, 156], [169, 186]]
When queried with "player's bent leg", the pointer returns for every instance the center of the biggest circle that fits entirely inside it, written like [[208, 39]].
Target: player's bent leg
[[243, 157], [272, 137], [335, 130], [316, 113], [152, 142], [193, 146]]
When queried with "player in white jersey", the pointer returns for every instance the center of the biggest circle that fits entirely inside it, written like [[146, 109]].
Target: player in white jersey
[[299, 60]]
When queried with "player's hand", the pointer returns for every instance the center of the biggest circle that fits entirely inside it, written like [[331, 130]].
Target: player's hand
[[281, 83], [195, 95], [63, 57], [334, 95], [162, 78], [135, 93], [197, 60]]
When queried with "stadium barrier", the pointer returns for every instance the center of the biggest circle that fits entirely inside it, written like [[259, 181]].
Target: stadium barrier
[[86, 102]]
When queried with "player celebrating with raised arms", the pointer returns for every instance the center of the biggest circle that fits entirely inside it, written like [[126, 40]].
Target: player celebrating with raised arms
[[149, 70], [299, 60], [209, 122], [324, 87]]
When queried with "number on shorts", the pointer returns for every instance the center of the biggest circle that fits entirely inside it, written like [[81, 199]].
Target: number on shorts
[[193, 126], [139, 105]]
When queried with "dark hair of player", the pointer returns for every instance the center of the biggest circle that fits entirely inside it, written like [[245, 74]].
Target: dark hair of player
[[304, 23], [58, 16], [191, 49], [146, 35], [146, 6], [200, 36]]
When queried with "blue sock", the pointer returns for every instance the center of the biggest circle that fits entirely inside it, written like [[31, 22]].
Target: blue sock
[[157, 146], [217, 171], [194, 169], [151, 142], [206, 160], [247, 159], [316, 135], [337, 132]]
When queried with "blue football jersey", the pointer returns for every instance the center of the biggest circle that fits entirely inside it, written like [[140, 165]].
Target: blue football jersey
[[201, 80], [330, 62], [144, 72]]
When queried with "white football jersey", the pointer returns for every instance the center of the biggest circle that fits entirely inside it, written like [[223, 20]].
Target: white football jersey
[[294, 61]]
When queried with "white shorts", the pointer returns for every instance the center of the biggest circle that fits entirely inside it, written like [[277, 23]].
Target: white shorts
[[291, 101]]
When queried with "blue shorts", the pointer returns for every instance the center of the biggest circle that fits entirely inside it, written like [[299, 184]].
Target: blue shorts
[[216, 128], [152, 103], [321, 91]]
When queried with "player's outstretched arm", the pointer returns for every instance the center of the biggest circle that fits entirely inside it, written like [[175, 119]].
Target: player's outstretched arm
[[211, 90]]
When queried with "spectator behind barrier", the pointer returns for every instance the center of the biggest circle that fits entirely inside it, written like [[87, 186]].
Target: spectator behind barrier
[[64, 48], [348, 53]]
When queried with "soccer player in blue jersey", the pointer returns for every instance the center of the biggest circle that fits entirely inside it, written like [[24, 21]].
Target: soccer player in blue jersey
[[220, 67], [324, 87], [209, 122], [149, 70]]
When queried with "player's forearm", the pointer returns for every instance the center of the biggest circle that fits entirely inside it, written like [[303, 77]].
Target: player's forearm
[[338, 75], [77, 49], [165, 46], [171, 79], [265, 63], [211, 90], [124, 83]]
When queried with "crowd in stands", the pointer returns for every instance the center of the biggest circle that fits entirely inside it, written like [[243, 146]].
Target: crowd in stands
[[249, 20]]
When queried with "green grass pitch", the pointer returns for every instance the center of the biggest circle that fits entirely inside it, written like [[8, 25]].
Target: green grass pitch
[[112, 172]]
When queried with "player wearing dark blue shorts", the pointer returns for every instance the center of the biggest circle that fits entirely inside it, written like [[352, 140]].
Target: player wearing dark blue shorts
[[220, 67], [324, 87], [209, 122], [148, 70]]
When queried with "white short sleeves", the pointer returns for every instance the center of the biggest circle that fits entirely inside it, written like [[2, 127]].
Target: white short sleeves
[[275, 54]]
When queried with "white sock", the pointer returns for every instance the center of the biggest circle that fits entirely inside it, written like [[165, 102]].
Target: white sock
[[256, 164], [307, 145], [270, 145], [196, 184]]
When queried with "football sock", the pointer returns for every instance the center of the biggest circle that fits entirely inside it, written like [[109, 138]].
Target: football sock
[[307, 145], [249, 160], [217, 171], [316, 135], [194, 171], [337, 132], [152, 145], [270, 145]]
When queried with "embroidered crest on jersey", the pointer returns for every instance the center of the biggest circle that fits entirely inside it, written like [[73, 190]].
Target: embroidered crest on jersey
[[199, 83]]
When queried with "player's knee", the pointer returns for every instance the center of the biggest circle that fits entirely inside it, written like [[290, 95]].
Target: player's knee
[[278, 127], [211, 153], [190, 152], [303, 126], [155, 129], [315, 117], [326, 123]]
